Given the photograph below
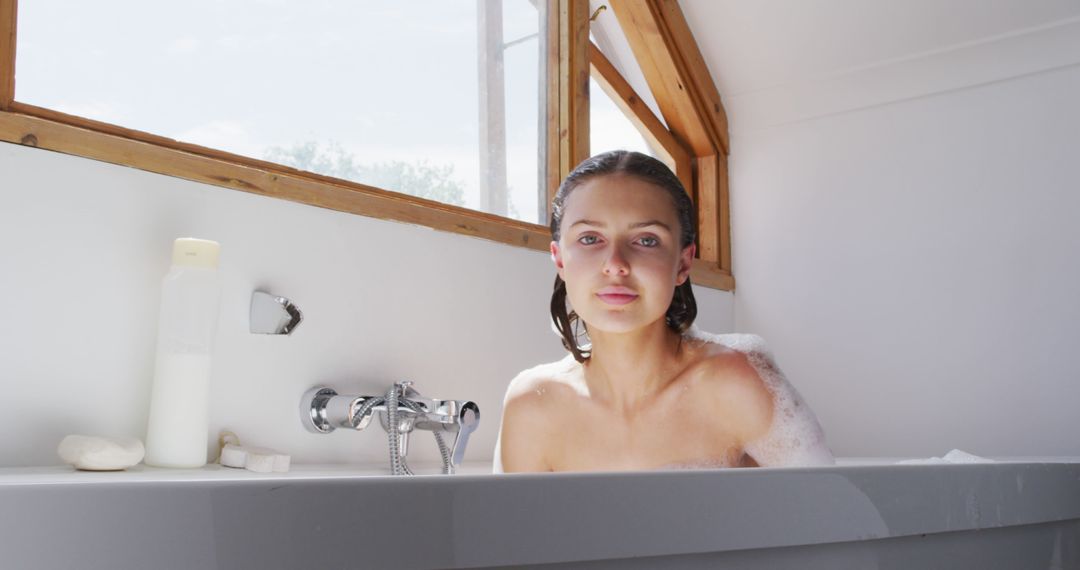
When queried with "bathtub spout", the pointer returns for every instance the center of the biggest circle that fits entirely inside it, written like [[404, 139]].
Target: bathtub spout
[[322, 410]]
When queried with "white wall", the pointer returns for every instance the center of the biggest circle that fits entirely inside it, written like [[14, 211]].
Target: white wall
[[913, 255], [86, 245], [904, 238]]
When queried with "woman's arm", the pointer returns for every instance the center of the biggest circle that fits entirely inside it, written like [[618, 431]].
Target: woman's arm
[[782, 430]]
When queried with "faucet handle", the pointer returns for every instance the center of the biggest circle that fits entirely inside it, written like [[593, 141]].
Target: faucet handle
[[467, 420]]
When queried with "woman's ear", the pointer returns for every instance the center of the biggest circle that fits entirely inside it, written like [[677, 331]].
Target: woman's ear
[[556, 257], [686, 261]]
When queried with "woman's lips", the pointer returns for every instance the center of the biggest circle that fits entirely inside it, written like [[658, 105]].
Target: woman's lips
[[616, 295], [616, 299]]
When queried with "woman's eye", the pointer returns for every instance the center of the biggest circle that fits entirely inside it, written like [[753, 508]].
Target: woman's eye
[[649, 241], [587, 240]]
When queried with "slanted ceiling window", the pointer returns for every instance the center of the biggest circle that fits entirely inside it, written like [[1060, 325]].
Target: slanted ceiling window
[[459, 115]]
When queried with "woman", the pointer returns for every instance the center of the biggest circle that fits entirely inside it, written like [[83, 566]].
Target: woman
[[648, 391]]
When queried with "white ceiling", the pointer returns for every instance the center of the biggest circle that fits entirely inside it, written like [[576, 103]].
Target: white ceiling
[[758, 44], [776, 61]]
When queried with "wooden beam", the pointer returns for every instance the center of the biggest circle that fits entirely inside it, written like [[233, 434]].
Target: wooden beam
[[627, 100], [710, 106], [574, 84], [8, 12], [279, 182], [714, 212], [684, 169], [677, 82], [708, 168], [552, 139], [723, 206], [706, 274]]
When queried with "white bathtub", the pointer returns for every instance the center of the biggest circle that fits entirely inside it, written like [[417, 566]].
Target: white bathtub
[[1017, 513]]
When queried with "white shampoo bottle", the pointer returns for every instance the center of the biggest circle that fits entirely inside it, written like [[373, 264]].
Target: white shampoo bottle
[[178, 429]]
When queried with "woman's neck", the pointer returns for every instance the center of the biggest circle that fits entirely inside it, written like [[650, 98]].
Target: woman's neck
[[625, 370]]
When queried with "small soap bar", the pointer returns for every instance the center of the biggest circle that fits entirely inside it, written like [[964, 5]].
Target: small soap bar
[[258, 459], [233, 456], [93, 453], [262, 460]]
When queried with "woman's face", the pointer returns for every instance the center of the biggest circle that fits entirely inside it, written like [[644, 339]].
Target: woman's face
[[619, 252]]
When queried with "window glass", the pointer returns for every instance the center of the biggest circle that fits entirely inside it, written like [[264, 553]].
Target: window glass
[[381, 92], [609, 129]]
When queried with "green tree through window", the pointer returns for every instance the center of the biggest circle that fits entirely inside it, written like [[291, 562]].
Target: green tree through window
[[419, 178]]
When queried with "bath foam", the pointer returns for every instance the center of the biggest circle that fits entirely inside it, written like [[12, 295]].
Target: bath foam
[[955, 456], [795, 437]]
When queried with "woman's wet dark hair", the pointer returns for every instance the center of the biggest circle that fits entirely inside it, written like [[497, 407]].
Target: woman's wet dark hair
[[683, 309]]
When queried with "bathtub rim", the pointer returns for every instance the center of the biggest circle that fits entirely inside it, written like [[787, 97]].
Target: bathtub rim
[[517, 519]]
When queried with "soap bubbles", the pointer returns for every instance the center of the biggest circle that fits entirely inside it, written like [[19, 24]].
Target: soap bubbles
[[795, 437]]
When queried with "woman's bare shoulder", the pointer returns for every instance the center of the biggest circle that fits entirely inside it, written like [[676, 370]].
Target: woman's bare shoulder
[[545, 382], [744, 343], [535, 402], [724, 371], [730, 372]]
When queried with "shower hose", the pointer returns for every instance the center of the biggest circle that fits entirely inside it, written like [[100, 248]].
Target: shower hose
[[393, 399]]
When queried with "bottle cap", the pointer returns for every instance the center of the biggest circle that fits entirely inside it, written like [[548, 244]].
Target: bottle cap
[[192, 252]]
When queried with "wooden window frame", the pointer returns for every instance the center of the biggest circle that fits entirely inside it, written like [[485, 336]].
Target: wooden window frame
[[678, 78], [570, 60], [634, 108]]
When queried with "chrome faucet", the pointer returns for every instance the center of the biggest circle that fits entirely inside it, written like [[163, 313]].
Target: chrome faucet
[[322, 410]]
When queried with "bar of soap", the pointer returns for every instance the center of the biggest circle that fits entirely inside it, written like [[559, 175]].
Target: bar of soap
[[93, 453], [258, 459], [262, 460]]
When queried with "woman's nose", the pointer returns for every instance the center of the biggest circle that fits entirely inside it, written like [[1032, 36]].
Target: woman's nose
[[616, 263]]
